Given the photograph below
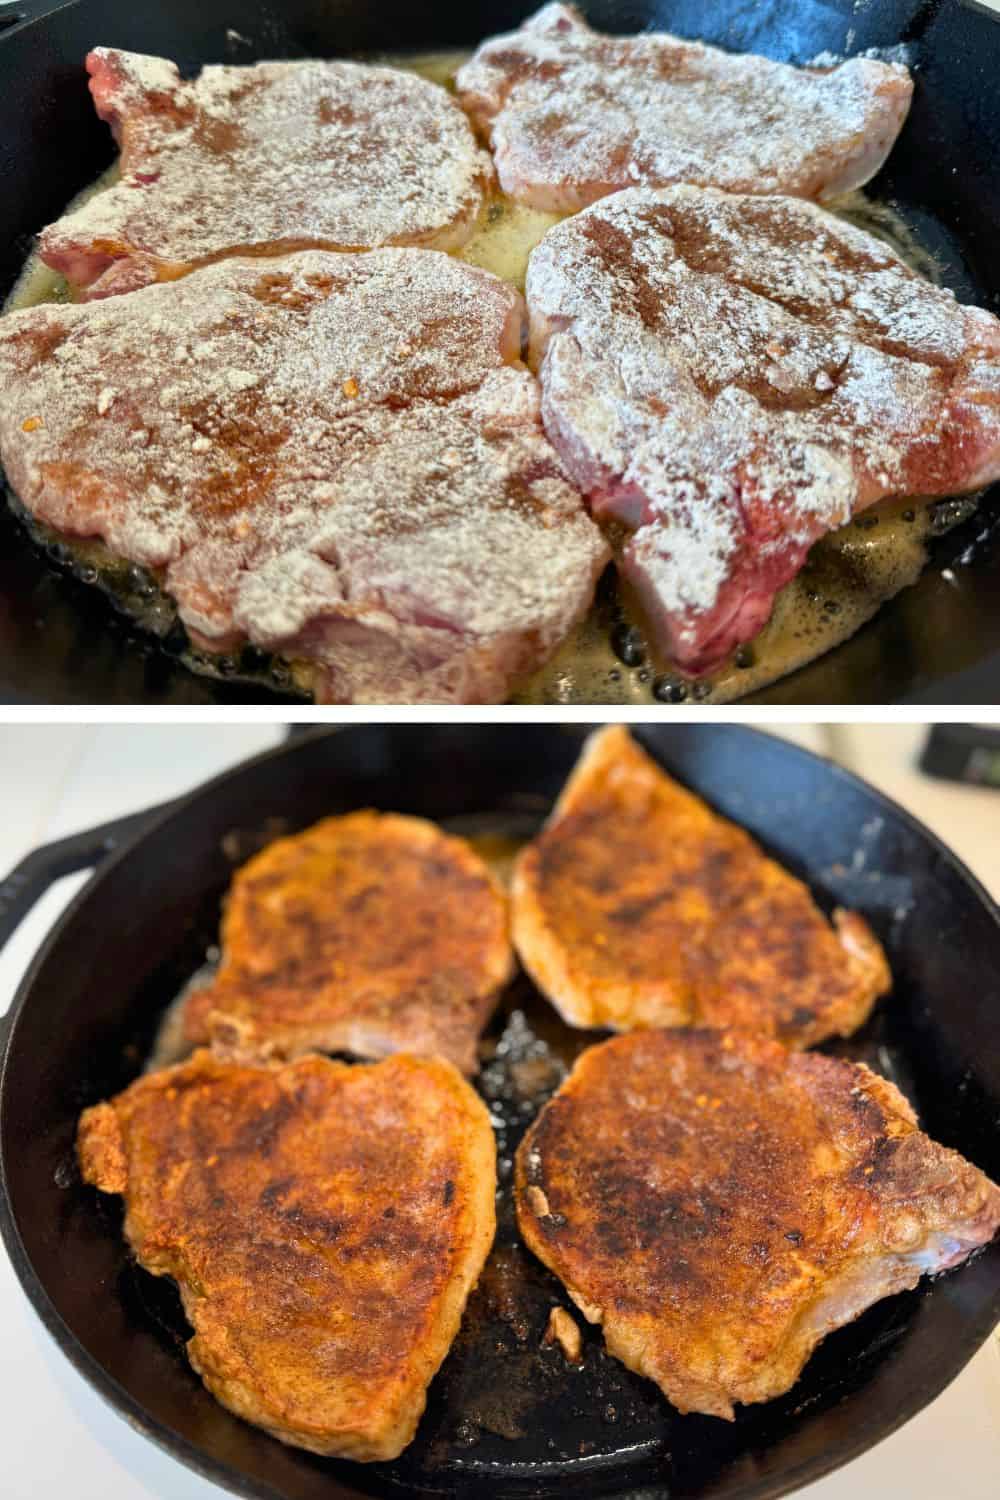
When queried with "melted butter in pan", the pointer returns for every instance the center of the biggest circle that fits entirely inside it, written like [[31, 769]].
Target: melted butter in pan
[[37, 283], [507, 231], [506, 237], [848, 576]]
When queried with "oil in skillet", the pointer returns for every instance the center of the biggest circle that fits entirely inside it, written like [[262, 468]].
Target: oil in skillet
[[607, 659]]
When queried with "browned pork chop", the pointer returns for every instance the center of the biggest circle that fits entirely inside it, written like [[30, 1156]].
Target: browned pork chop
[[734, 376], [269, 158], [335, 457], [637, 905], [368, 933], [719, 1205], [572, 114], [325, 1225]]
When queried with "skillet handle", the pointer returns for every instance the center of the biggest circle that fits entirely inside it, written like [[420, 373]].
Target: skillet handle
[[29, 880]]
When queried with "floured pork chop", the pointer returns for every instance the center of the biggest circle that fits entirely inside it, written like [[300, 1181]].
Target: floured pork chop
[[638, 906], [735, 376], [335, 457], [572, 114], [324, 1223], [275, 157], [720, 1205], [368, 933]]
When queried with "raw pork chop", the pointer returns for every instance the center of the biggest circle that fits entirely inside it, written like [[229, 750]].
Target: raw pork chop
[[270, 158], [572, 115], [736, 376], [638, 906], [369, 933], [720, 1205], [336, 457], [324, 1223]]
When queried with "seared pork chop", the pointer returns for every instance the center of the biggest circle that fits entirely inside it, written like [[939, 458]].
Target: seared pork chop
[[338, 457], [719, 1205], [324, 1223], [572, 114], [735, 376], [369, 933], [638, 906], [264, 159]]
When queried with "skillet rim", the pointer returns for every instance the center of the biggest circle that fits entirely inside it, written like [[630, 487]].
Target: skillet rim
[[865, 1435]]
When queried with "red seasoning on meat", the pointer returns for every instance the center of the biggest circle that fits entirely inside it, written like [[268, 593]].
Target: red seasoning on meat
[[369, 933], [572, 114], [638, 905], [269, 158], [734, 376], [339, 458], [720, 1205], [324, 1225]]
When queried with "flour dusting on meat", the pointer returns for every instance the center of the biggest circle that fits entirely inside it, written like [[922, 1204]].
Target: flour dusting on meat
[[275, 156], [573, 114], [339, 457], [733, 376]]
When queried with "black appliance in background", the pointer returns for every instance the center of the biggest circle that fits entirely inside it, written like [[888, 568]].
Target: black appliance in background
[[963, 752]]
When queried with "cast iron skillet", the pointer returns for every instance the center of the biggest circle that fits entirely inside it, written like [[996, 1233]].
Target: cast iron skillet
[[503, 1418], [938, 642]]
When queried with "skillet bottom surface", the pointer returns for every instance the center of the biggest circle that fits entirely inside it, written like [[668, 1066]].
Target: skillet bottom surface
[[507, 1415]]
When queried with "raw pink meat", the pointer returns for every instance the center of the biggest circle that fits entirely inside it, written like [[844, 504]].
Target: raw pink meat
[[265, 159], [338, 457], [734, 376], [572, 114]]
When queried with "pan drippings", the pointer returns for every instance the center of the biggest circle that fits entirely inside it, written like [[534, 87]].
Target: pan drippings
[[607, 658]]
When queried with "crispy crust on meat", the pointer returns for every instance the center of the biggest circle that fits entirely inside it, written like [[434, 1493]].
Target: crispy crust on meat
[[325, 1225], [369, 933], [639, 906], [719, 1205]]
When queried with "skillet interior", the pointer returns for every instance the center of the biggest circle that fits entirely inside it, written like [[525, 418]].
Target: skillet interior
[[937, 642], [90, 1006]]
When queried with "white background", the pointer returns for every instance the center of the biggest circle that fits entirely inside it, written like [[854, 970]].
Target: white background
[[61, 1442]]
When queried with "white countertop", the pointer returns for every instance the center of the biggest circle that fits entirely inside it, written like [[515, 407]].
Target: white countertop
[[62, 1442]]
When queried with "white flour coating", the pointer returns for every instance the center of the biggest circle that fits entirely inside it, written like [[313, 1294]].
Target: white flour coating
[[901, 53], [573, 114], [276, 155], [733, 376], [346, 464]]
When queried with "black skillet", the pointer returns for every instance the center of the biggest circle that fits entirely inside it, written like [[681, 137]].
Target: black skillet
[[936, 643], [504, 1417]]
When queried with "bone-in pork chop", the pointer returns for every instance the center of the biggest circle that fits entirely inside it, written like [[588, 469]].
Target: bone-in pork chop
[[324, 1223], [368, 933], [572, 114], [735, 376], [275, 157], [719, 1205], [338, 457], [638, 906]]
